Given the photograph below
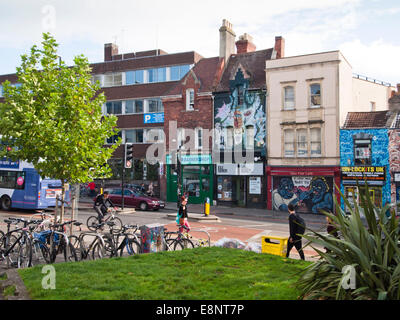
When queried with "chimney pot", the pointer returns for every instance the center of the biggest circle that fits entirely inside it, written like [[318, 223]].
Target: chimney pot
[[245, 44], [227, 40], [279, 47]]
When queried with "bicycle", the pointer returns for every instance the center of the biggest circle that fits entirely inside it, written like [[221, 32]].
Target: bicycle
[[130, 244], [94, 224], [17, 250], [58, 242], [96, 249], [183, 241]]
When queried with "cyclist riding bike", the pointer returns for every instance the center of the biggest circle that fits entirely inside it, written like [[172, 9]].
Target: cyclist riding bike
[[102, 205]]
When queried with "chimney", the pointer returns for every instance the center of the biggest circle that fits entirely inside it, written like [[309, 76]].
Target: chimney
[[279, 47], [110, 50], [226, 40], [245, 44], [398, 88]]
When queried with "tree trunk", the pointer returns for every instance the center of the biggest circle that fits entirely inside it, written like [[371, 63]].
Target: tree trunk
[[62, 201]]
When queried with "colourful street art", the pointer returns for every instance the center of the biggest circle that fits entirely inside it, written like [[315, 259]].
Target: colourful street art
[[309, 194], [240, 116], [394, 160], [379, 157]]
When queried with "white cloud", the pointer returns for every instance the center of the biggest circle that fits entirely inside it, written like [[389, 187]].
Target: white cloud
[[378, 59]]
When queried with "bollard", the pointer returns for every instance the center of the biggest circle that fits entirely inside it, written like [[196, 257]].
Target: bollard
[[207, 207]]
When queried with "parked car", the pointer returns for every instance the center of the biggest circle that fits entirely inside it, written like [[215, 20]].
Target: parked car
[[134, 198]]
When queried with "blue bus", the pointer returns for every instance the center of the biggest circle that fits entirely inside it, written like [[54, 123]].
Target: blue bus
[[21, 187]]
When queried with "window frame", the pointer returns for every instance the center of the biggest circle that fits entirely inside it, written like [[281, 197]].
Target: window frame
[[313, 142], [286, 142], [297, 151], [285, 106], [190, 99], [311, 95]]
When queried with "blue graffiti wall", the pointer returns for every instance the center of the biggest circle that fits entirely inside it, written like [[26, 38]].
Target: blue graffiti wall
[[379, 154]]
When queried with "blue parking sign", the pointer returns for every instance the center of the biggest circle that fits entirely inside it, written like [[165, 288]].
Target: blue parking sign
[[153, 117]]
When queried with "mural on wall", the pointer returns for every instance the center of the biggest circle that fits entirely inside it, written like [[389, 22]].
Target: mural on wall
[[394, 160], [240, 116], [310, 194], [379, 154]]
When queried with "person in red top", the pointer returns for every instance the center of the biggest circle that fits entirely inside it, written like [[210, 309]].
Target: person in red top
[[92, 187]]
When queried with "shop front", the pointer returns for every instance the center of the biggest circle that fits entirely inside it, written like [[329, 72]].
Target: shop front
[[240, 185], [356, 179], [310, 189], [196, 178]]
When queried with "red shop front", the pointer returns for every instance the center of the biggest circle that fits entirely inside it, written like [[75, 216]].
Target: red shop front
[[311, 189]]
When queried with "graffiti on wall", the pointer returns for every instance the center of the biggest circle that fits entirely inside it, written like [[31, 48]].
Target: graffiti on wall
[[379, 154], [394, 160], [240, 116], [309, 194]]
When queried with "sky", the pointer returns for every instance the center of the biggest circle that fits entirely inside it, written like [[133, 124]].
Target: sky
[[365, 31]]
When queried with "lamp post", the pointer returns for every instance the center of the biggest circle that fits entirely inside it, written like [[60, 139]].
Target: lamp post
[[179, 168]]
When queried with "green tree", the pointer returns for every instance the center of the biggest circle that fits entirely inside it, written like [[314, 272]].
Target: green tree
[[54, 120]]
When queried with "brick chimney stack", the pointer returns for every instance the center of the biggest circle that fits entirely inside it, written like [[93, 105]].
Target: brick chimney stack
[[398, 88], [110, 50], [226, 40], [245, 44], [279, 47]]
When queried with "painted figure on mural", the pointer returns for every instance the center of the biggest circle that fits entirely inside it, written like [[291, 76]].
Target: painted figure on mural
[[310, 194], [318, 197], [284, 195]]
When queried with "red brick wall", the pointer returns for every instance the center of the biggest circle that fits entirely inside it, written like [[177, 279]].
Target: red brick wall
[[175, 110]]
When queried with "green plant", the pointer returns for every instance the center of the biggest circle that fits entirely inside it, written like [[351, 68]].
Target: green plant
[[371, 247]]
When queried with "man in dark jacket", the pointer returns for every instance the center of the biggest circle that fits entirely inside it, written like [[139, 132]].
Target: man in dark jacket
[[102, 205], [294, 239]]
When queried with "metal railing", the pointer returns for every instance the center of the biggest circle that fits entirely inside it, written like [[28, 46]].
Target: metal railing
[[358, 76]]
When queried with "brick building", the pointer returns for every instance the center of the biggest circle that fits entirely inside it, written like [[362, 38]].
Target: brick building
[[188, 132]]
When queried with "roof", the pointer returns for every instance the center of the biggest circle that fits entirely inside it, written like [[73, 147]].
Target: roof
[[253, 64], [358, 120], [396, 121], [206, 72]]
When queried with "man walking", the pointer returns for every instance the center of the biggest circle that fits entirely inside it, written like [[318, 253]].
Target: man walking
[[296, 226]]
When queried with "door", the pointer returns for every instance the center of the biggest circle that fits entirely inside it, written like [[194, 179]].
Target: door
[[241, 191], [191, 183]]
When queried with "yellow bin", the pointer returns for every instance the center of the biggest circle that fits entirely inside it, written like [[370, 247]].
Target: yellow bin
[[274, 245]]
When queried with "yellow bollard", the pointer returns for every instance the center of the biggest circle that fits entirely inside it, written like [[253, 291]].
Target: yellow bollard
[[207, 207]]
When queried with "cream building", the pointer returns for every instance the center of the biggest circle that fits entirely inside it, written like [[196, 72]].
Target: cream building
[[309, 97]]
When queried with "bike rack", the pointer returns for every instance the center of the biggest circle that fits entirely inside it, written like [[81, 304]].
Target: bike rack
[[93, 234], [208, 235]]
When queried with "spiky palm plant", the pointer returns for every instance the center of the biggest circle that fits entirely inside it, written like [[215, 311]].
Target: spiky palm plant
[[371, 248]]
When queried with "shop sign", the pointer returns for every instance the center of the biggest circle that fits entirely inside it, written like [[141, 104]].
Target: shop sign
[[374, 175], [192, 159], [255, 185], [251, 169], [228, 169]]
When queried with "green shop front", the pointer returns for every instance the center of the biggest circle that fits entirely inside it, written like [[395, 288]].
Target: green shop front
[[196, 178]]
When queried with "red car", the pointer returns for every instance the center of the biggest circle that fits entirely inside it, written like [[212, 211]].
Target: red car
[[133, 198]]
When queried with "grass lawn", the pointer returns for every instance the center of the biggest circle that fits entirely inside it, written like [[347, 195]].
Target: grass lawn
[[201, 273]]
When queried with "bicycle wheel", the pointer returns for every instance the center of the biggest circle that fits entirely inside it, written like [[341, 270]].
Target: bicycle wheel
[[12, 256], [134, 247], [182, 244], [92, 223], [1, 238], [74, 241], [98, 251], [109, 246], [115, 228], [169, 244], [25, 253], [40, 253], [69, 252]]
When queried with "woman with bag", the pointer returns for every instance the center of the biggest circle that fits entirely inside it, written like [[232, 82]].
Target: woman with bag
[[183, 216]]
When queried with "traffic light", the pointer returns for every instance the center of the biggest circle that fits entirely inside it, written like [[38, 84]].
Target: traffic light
[[128, 155]]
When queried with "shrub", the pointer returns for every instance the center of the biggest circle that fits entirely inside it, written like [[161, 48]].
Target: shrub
[[370, 246]]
